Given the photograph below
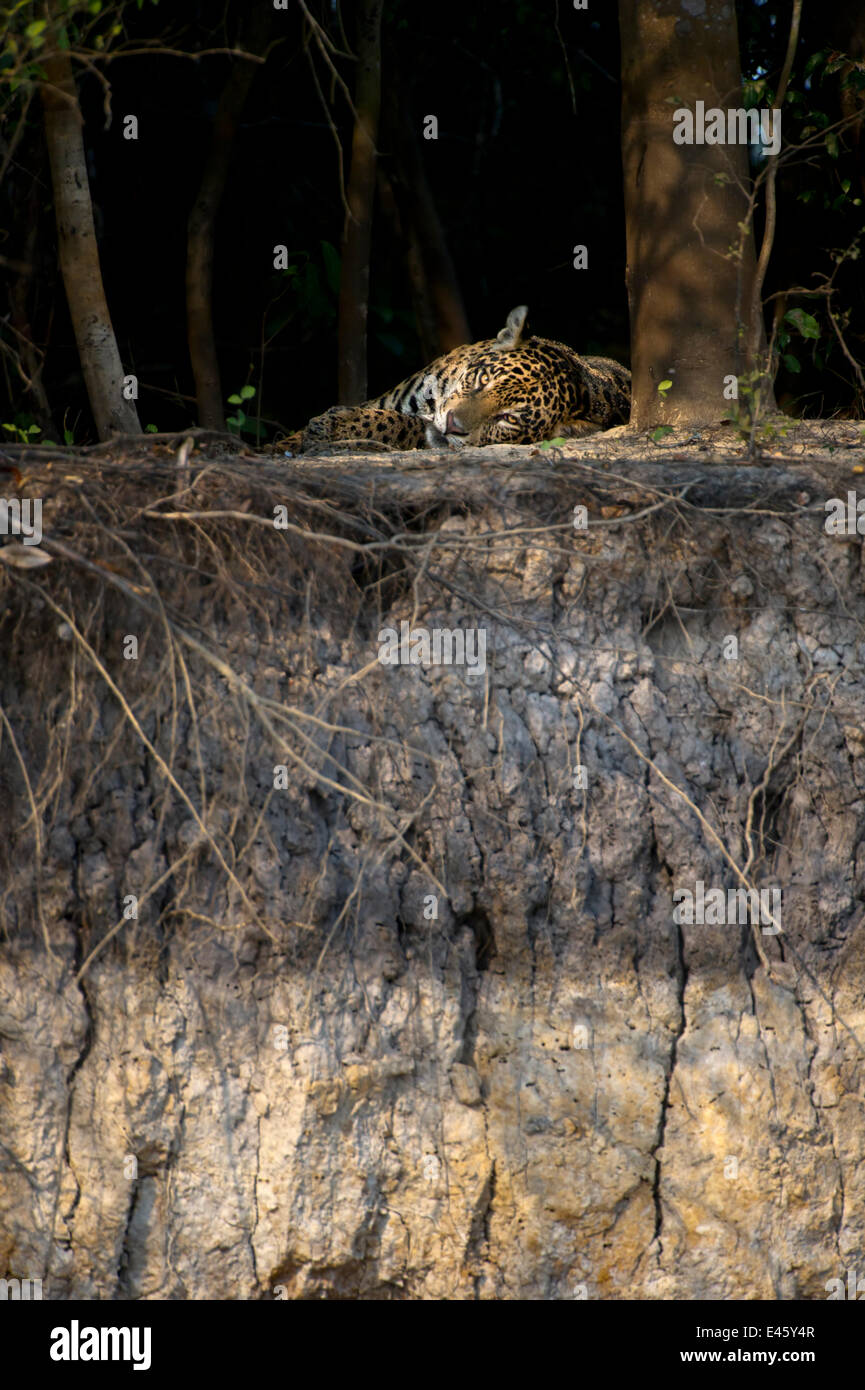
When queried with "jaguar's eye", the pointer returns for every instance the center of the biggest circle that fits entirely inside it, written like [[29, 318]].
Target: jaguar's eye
[[482, 377]]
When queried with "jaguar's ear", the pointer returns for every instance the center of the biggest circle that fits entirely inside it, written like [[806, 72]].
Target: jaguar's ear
[[511, 333]]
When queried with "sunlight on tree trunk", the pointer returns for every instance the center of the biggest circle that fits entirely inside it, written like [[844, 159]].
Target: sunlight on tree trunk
[[357, 235], [78, 251], [683, 206]]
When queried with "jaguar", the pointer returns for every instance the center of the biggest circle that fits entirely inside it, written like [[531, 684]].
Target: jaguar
[[504, 390]]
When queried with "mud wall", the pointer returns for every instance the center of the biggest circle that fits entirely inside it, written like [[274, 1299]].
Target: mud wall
[[415, 1017]]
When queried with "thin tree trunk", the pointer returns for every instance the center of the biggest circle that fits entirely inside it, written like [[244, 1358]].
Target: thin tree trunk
[[31, 357], [201, 229], [756, 312], [425, 321], [683, 286], [847, 32], [357, 234], [436, 289], [78, 251]]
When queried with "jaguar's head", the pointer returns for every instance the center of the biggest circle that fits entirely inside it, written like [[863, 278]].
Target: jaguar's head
[[496, 413], [508, 394]]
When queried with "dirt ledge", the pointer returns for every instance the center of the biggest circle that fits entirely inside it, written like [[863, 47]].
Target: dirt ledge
[[418, 1022]]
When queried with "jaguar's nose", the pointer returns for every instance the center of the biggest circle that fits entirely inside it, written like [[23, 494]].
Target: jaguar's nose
[[452, 424]]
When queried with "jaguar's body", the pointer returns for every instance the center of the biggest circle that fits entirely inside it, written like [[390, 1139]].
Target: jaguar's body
[[502, 390]]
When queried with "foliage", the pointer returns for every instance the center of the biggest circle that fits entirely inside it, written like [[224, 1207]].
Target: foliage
[[239, 423], [24, 428]]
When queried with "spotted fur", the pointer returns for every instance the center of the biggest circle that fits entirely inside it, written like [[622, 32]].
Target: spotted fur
[[502, 390]]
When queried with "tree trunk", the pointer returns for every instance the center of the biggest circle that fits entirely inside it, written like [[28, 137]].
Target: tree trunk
[[847, 33], [424, 316], [78, 251], [202, 230], [436, 292], [357, 234], [689, 299], [31, 357]]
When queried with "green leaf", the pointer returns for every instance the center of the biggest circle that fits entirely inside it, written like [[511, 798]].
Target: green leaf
[[34, 429], [806, 324], [247, 392], [558, 441], [10, 427], [35, 29], [659, 433], [815, 58], [791, 362], [235, 399], [663, 387], [832, 144]]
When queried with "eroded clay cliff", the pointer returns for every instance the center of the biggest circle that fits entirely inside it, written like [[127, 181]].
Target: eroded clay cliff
[[414, 1019]]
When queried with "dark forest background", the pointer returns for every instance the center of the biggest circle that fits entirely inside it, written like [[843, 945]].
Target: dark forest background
[[527, 165]]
